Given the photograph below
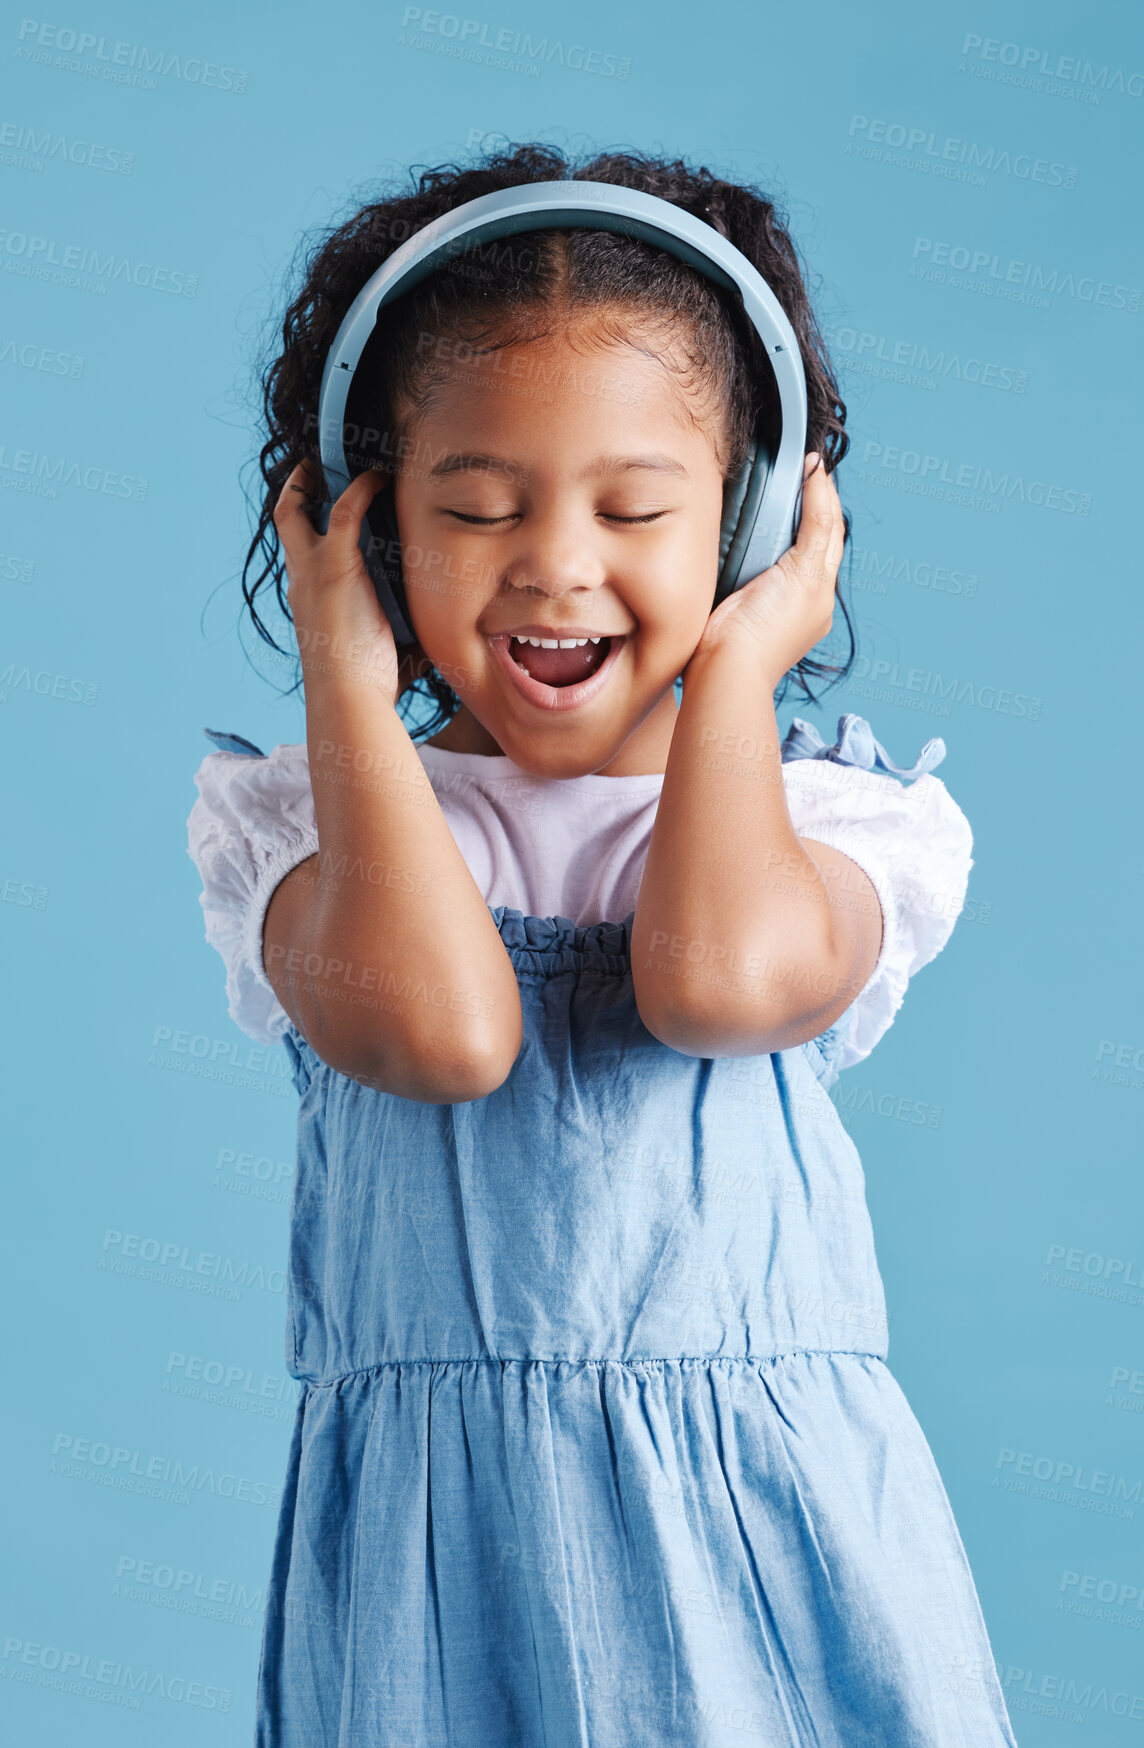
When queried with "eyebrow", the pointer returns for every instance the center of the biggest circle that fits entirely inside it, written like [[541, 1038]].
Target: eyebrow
[[469, 462]]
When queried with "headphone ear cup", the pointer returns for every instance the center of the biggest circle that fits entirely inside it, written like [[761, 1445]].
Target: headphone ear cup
[[734, 492], [381, 549], [742, 498]]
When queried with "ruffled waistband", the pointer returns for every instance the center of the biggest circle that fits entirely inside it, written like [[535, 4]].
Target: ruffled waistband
[[549, 944]]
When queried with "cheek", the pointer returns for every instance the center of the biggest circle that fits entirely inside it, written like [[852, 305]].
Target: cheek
[[444, 603], [679, 596], [447, 575], [448, 587]]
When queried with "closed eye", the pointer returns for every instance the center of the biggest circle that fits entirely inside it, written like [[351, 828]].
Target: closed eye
[[479, 521], [492, 521]]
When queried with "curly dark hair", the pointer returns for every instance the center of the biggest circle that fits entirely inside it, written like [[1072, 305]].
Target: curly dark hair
[[496, 296]]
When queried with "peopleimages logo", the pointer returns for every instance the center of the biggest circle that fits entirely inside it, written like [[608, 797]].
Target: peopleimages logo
[[121, 62], [68, 1669], [887, 464], [29, 470], [180, 1582], [920, 148], [35, 147], [36, 357], [919, 365], [478, 40], [877, 676], [171, 1255], [1037, 63], [119, 1463], [865, 561], [1028, 276], [87, 268], [1066, 1697]]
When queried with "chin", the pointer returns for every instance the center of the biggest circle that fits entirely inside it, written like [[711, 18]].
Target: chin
[[560, 761]]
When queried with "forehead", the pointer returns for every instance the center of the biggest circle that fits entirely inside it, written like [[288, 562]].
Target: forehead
[[568, 383]]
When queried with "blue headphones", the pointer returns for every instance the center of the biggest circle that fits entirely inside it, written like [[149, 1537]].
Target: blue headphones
[[760, 506]]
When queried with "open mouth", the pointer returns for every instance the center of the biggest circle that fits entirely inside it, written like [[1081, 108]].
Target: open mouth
[[560, 667], [558, 679]]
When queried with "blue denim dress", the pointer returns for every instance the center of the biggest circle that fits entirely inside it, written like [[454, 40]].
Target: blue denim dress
[[596, 1445]]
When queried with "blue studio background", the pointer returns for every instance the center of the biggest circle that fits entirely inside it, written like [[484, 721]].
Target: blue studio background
[[959, 181]]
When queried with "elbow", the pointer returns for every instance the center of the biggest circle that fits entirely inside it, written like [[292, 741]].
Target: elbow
[[435, 1057], [474, 1072], [773, 1016], [678, 1016], [681, 1013], [436, 1070], [456, 1063], [693, 1029]]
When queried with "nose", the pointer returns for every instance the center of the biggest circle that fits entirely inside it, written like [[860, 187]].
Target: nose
[[554, 555]]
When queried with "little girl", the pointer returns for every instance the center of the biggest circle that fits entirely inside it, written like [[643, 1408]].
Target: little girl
[[596, 1442]]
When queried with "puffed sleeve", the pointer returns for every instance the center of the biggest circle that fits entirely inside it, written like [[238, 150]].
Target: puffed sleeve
[[252, 823], [911, 839]]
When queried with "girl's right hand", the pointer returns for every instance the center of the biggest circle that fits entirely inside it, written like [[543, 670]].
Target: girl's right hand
[[341, 626]]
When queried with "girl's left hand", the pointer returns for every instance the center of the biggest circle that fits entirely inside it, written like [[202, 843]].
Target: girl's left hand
[[788, 609]]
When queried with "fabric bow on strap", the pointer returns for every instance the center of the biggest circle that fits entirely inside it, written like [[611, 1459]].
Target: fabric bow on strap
[[233, 743], [856, 746]]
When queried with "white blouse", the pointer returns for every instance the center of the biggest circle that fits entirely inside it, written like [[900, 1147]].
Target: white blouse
[[575, 847]]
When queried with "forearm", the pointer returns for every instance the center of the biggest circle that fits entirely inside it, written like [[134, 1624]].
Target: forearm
[[734, 945], [397, 917]]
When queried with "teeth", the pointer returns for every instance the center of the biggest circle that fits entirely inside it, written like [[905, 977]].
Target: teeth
[[556, 642]]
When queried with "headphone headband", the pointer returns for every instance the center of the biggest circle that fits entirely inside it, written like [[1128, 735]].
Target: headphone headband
[[760, 506]]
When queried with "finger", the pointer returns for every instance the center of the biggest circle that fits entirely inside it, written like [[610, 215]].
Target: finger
[[820, 521], [295, 529], [837, 543], [344, 527], [826, 496]]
